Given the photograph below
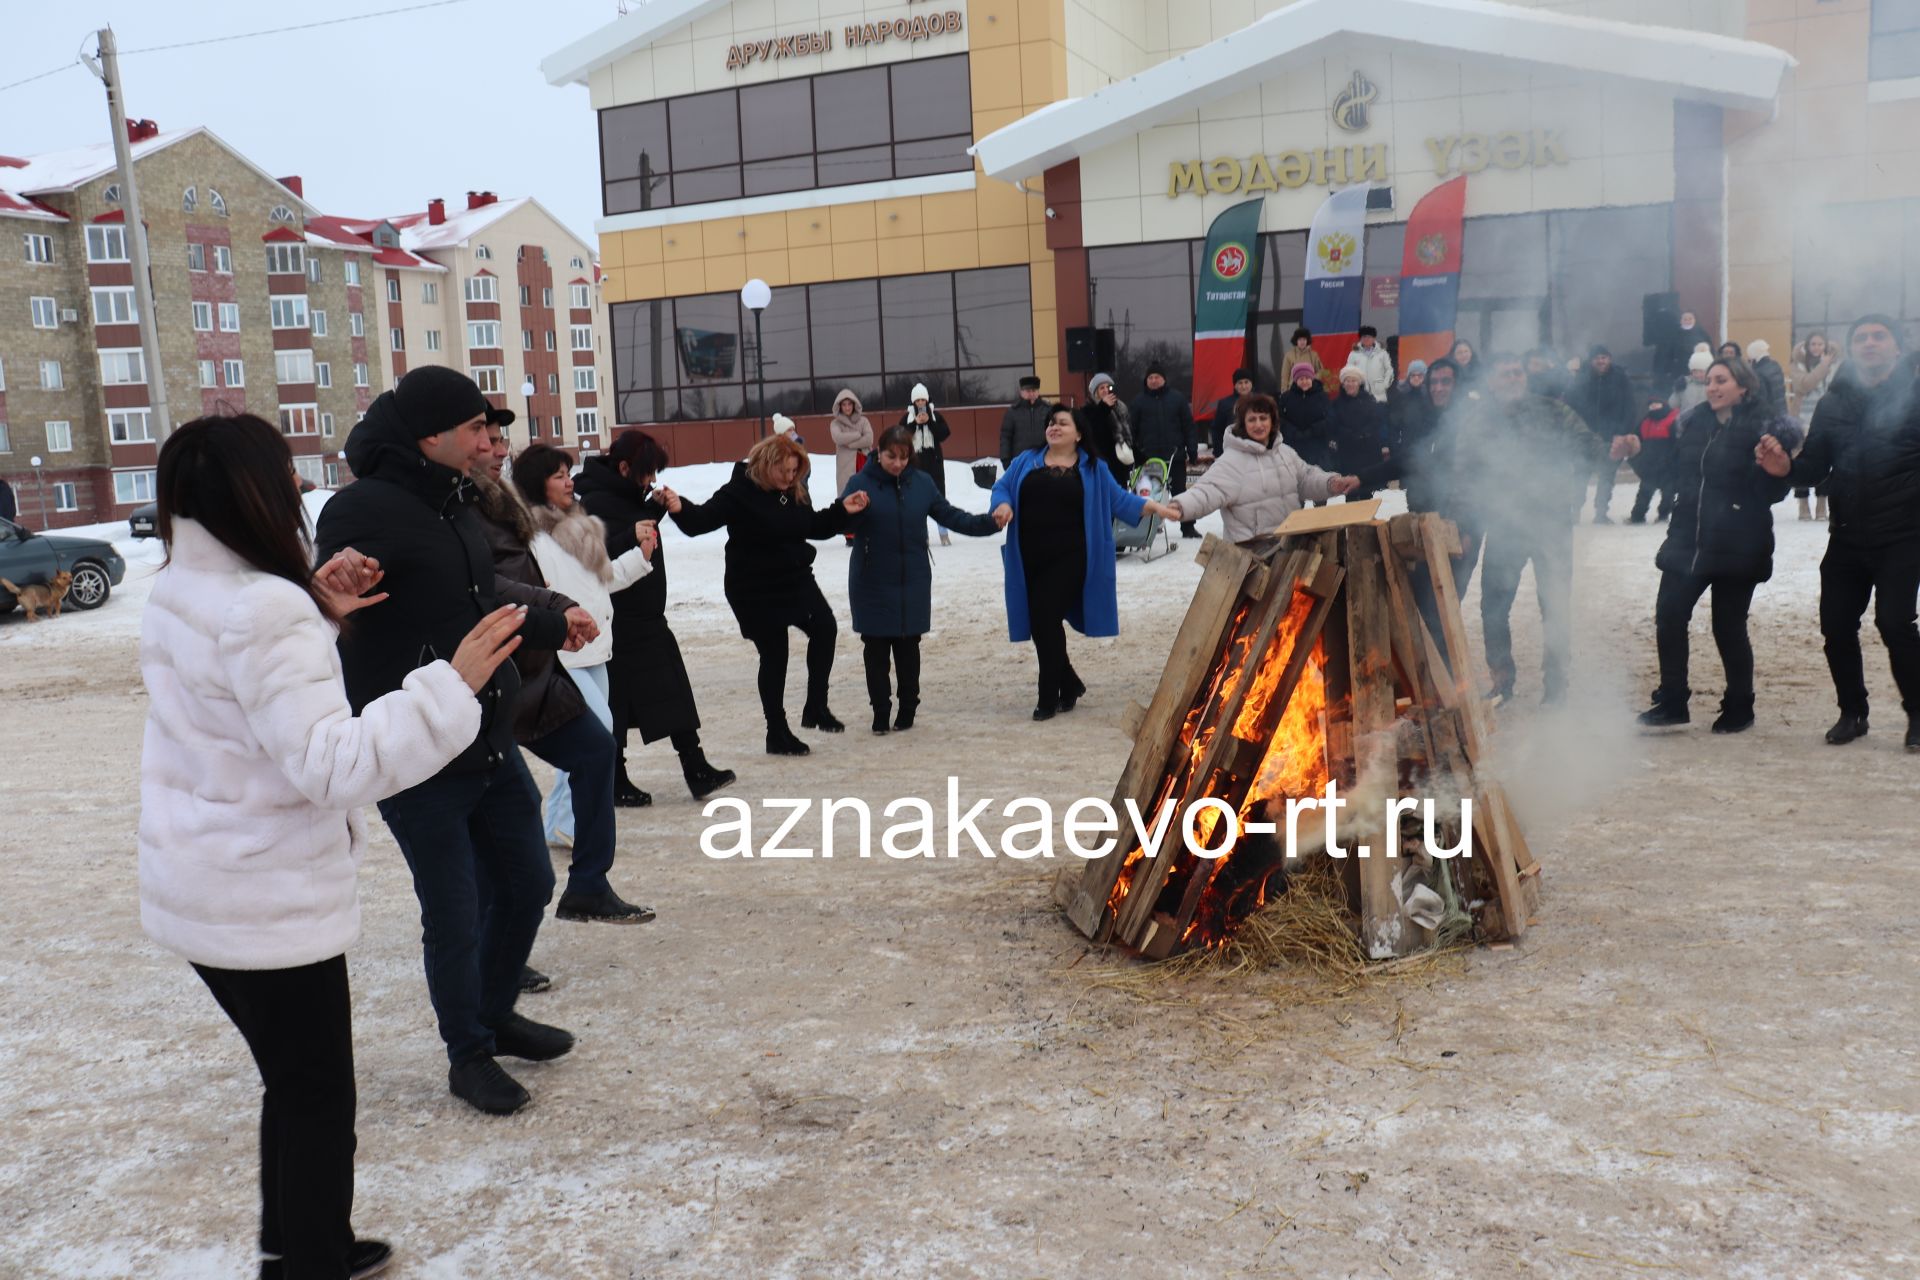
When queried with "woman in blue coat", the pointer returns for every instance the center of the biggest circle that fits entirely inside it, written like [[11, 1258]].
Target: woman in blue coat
[[890, 578], [1061, 504]]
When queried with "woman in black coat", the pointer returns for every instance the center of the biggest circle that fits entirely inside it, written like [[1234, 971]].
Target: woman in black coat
[[930, 432], [648, 685], [1720, 538], [1356, 426], [1303, 417], [769, 579]]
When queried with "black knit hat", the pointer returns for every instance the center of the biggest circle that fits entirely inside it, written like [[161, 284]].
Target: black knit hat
[[433, 398], [1155, 368], [1367, 331], [1029, 383], [1243, 375]]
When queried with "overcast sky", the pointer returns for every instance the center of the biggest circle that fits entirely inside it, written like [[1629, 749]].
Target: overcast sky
[[378, 116]]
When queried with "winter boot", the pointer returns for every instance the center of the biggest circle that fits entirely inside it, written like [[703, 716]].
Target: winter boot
[[1805, 508], [1913, 733], [1736, 715], [604, 908], [365, 1259], [1820, 506], [822, 719], [516, 1036], [882, 717], [531, 979], [625, 794], [1847, 728], [1667, 712], [1071, 690], [485, 1085], [781, 742], [904, 720], [702, 778]]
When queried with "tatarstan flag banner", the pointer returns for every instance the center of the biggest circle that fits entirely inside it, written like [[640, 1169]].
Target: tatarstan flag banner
[[1335, 276], [1229, 276], [1430, 273]]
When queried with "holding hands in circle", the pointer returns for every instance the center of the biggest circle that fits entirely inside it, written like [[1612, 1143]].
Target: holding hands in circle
[[1772, 457], [647, 535], [346, 579], [856, 502]]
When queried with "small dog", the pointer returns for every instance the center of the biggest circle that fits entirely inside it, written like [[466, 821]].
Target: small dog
[[41, 595]]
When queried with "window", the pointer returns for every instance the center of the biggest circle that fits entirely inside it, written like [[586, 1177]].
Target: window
[[209, 373], [217, 202], [483, 333], [546, 297], [582, 335], [106, 243], [66, 495], [59, 437], [299, 420], [6, 439], [3, 375], [114, 306], [576, 263], [294, 367], [326, 429], [222, 260], [869, 124], [586, 421], [533, 426], [1893, 43], [549, 339], [317, 321], [233, 373], [357, 324], [553, 384], [583, 378], [196, 256], [359, 374], [397, 340], [481, 251], [333, 468], [286, 259], [433, 339], [189, 200], [487, 378], [203, 317], [353, 270], [229, 317], [430, 292], [393, 288], [289, 311], [39, 247], [132, 487], [323, 374], [45, 314], [526, 295], [313, 268], [280, 213], [122, 368], [51, 376], [309, 468], [526, 339], [579, 297], [130, 426]]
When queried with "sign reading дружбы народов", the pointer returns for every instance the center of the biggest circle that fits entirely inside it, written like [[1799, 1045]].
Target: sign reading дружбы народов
[[853, 34], [1337, 166]]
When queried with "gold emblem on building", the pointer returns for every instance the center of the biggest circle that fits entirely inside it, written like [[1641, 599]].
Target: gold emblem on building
[[1350, 104]]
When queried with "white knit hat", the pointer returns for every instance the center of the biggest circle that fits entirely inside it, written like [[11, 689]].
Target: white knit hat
[[782, 423], [1700, 362], [1757, 350]]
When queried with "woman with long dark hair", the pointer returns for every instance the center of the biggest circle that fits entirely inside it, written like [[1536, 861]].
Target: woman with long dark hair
[[251, 776], [1720, 539], [1061, 502], [647, 684], [769, 578]]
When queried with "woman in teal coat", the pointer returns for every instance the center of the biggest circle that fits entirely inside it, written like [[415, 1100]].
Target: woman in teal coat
[[1061, 504], [890, 577]]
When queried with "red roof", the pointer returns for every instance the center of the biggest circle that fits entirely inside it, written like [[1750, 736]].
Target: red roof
[[282, 234], [27, 207], [357, 233], [112, 215]]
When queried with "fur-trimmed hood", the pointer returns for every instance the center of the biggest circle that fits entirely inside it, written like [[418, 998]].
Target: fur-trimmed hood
[[499, 504], [579, 534]]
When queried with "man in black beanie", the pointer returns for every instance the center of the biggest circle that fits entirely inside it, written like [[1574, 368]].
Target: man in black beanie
[[471, 834], [1162, 423]]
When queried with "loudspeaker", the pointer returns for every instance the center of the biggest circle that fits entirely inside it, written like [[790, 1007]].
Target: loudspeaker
[[1659, 319], [1089, 350]]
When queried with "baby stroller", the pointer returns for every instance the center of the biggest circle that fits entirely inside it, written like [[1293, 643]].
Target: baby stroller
[[1149, 480]]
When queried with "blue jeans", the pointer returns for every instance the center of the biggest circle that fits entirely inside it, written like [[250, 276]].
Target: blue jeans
[[583, 748], [484, 879], [592, 683]]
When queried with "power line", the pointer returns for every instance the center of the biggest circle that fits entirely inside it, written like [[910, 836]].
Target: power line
[[42, 76], [304, 26]]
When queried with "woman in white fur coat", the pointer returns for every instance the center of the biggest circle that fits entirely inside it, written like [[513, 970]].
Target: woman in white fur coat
[[570, 546], [1257, 482], [251, 774]]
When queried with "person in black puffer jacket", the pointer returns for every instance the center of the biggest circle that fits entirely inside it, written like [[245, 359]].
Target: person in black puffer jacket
[[769, 579], [471, 833], [1163, 427], [1604, 397], [1357, 426], [1303, 417], [1720, 539], [648, 685], [1864, 444]]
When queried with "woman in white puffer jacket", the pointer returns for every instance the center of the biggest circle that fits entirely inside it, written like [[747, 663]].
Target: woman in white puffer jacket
[[1257, 481], [570, 546], [251, 774]]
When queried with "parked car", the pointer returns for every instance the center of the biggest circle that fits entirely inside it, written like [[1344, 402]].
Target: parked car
[[145, 521], [28, 557]]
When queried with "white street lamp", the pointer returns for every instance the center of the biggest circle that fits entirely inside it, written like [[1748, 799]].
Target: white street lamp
[[755, 295]]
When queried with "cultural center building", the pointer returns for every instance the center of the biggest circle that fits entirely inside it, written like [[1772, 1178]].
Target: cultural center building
[[956, 192]]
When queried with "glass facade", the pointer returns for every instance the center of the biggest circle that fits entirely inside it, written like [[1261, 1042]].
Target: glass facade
[[868, 125], [968, 335], [1853, 260]]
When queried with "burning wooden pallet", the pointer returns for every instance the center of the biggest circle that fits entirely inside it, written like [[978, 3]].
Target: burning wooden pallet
[[1302, 660]]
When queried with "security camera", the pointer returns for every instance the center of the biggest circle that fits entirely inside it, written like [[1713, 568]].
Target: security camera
[[1051, 213]]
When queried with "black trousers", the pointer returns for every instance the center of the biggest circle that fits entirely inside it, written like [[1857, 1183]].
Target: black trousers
[[1428, 603], [298, 1025], [1052, 587], [1673, 610], [820, 630], [1177, 484], [902, 653], [1889, 576], [1550, 549]]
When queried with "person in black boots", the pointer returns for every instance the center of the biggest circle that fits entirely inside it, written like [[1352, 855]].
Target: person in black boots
[[1658, 429], [471, 833], [1059, 557], [648, 686], [1864, 446], [1226, 410], [769, 579], [1602, 395], [890, 576], [1162, 423], [1720, 539]]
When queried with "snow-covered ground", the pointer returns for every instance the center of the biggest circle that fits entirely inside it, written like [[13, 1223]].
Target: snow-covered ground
[[1701, 1062]]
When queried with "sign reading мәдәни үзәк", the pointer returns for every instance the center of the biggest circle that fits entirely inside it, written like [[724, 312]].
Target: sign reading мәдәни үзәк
[[1337, 166], [855, 35]]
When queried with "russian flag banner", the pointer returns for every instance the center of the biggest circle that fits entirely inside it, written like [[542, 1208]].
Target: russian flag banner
[[1430, 273], [1336, 274]]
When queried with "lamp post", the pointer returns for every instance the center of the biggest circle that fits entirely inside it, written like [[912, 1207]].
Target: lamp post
[[755, 294], [41, 485], [526, 393]]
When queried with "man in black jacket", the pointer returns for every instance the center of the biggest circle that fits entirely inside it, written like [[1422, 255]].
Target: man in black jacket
[[1603, 396], [1162, 422], [1024, 425], [1864, 443], [471, 834], [1225, 407]]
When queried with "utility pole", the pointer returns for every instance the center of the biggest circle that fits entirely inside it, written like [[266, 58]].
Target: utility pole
[[107, 68]]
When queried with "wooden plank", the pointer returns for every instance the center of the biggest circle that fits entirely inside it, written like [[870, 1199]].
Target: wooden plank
[[1321, 519], [1132, 716], [1195, 645]]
